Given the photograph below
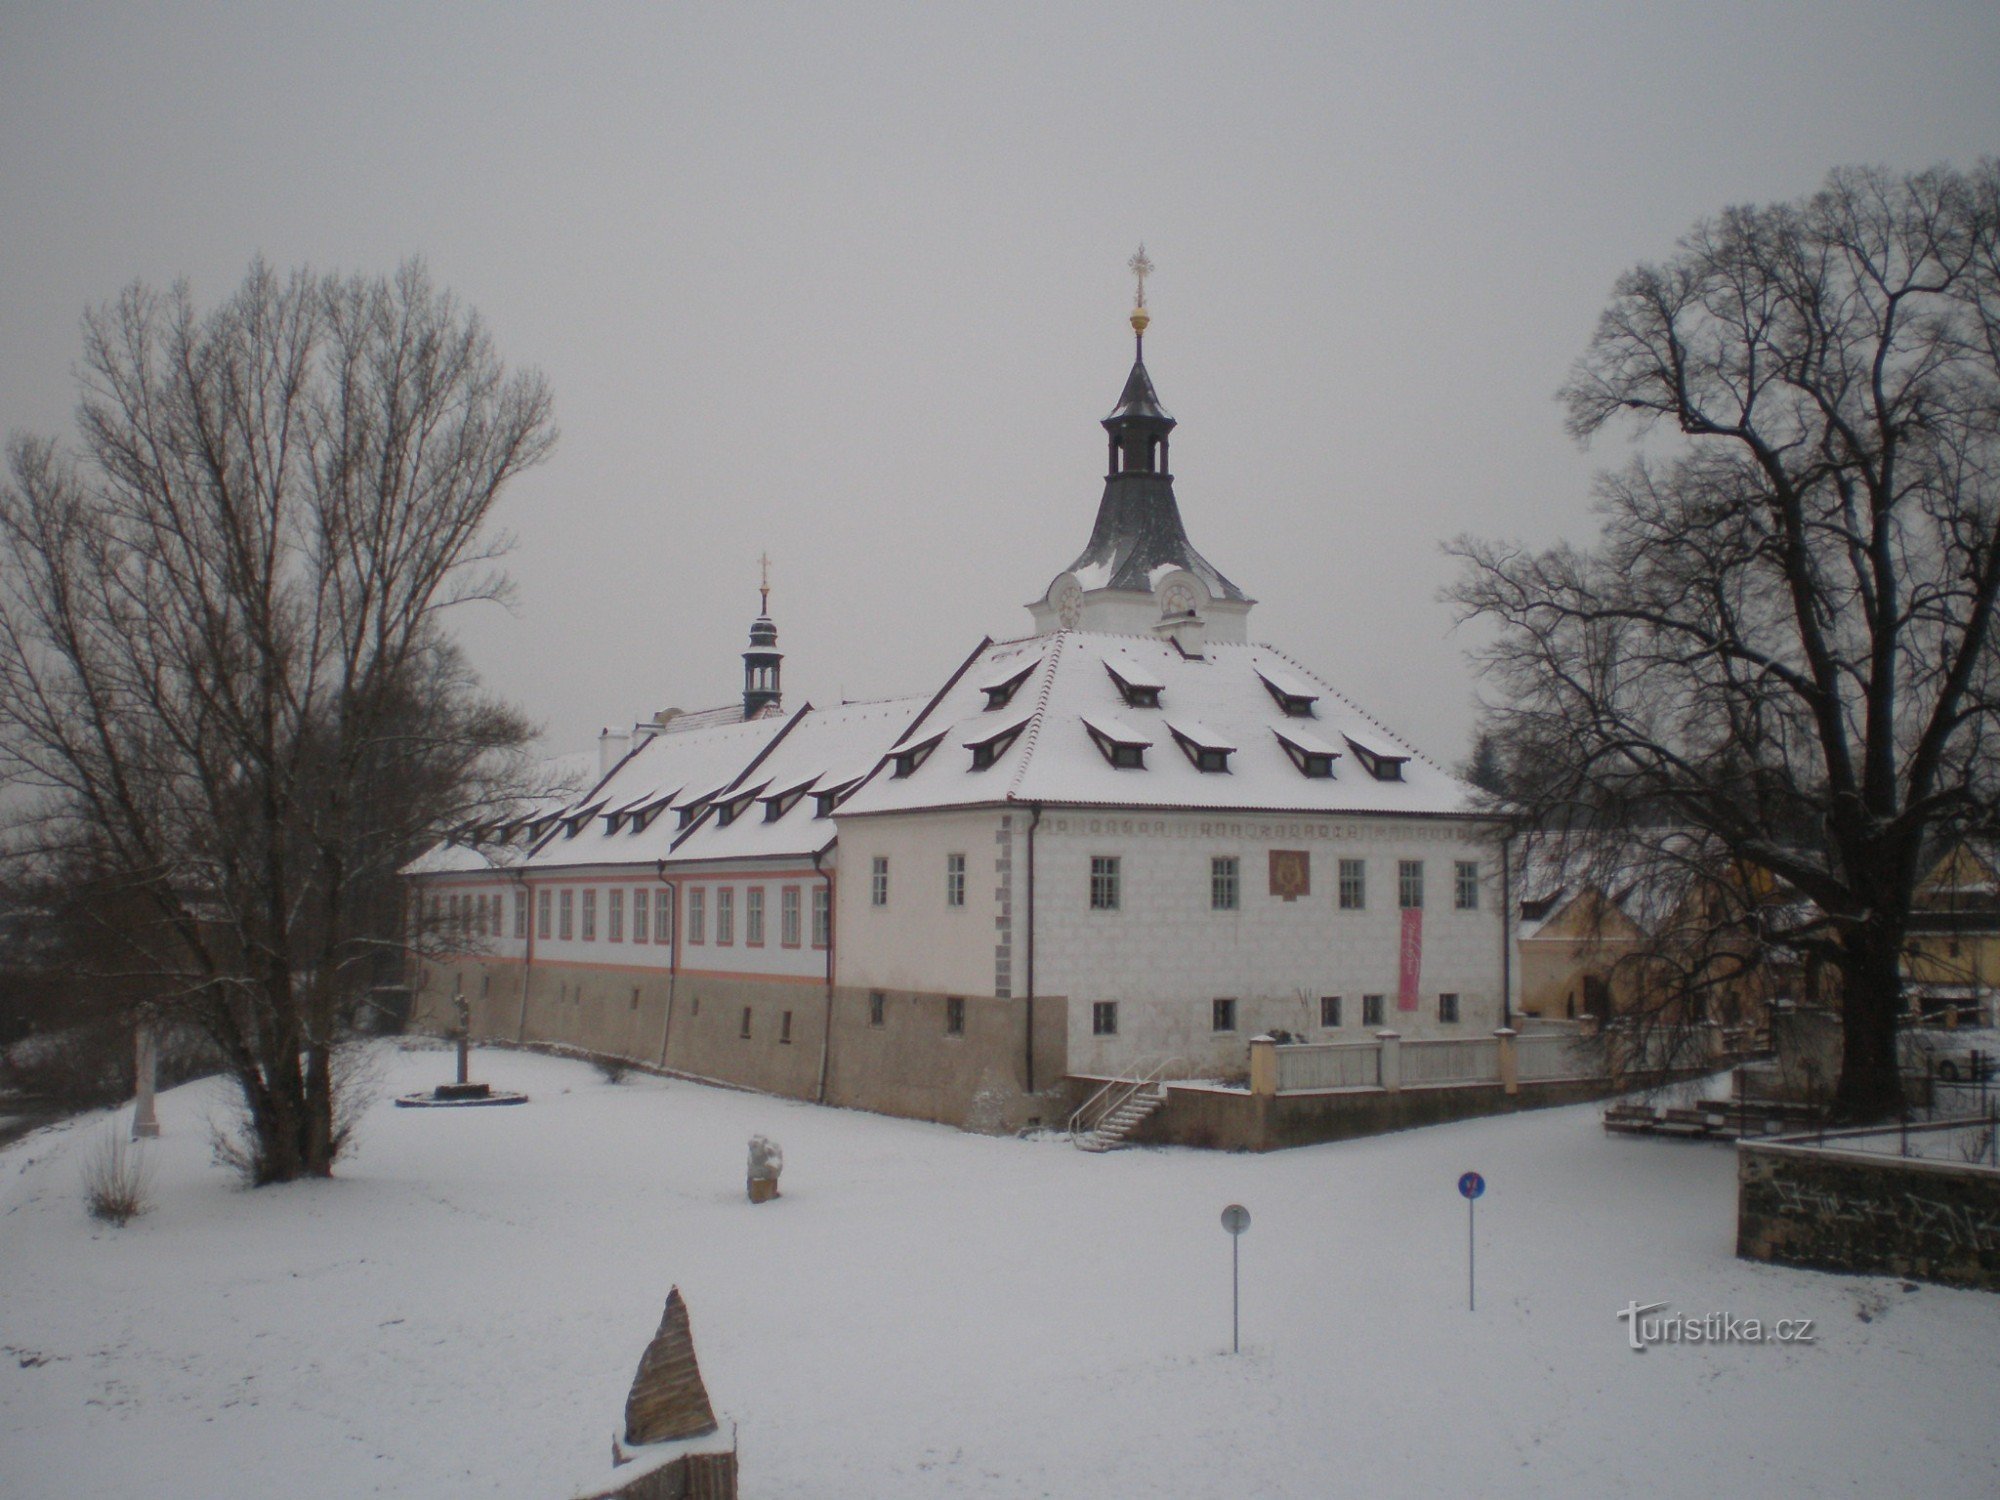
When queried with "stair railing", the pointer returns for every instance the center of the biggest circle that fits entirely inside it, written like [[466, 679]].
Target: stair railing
[[1118, 1091]]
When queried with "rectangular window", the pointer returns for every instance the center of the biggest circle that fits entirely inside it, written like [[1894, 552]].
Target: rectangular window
[[785, 1027], [640, 901], [1225, 884], [877, 1004], [663, 915], [954, 880], [745, 1031], [788, 916], [697, 915], [822, 916], [1353, 885], [1104, 882], [753, 916], [542, 912], [520, 914], [566, 915], [878, 881], [614, 915], [1329, 1010], [1104, 1018], [725, 915], [1371, 1010], [1447, 1008], [954, 1016], [1223, 1016], [1410, 884], [590, 916], [1468, 885], [479, 914]]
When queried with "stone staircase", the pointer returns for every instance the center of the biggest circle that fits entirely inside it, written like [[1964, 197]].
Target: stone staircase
[[1116, 1127]]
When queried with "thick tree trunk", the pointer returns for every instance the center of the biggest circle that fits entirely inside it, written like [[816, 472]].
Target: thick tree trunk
[[1871, 1085]]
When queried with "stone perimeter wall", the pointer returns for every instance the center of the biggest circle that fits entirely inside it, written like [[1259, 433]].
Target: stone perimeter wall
[[909, 1065], [1885, 1215], [1237, 1120]]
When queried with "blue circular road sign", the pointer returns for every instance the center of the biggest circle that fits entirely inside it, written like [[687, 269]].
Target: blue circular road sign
[[1471, 1185]]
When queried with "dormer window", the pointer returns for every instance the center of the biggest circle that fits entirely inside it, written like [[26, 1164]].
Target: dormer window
[[1138, 687], [991, 747], [574, 823], [728, 812], [1377, 759], [1205, 749], [642, 816], [775, 807], [911, 756], [1291, 695], [1119, 743], [1000, 691], [692, 811], [1312, 755], [825, 802]]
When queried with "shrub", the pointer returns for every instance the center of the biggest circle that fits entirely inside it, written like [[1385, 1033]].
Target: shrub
[[117, 1179], [613, 1069]]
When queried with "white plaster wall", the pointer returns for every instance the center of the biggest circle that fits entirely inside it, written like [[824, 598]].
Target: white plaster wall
[[737, 958], [1127, 612], [917, 942], [1165, 955]]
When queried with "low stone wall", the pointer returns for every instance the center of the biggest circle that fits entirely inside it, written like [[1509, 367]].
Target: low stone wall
[[1805, 1204], [1235, 1120], [773, 1036]]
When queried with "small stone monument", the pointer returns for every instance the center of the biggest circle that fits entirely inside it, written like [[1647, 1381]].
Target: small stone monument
[[668, 1400], [767, 1160], [463, 1091]]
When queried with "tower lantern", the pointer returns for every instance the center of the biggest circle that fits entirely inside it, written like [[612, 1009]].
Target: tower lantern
[[761, 662]]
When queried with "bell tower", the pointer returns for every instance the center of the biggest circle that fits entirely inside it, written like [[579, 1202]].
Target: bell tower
[[761, 661], [1139, 574]]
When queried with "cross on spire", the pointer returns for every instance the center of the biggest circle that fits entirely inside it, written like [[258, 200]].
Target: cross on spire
[[764, 583], [1141, 268]]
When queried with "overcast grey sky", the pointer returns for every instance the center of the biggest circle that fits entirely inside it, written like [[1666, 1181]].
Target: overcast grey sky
[[847, 282]]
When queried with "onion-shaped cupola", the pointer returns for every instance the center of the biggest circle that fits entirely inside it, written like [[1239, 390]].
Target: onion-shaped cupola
[[1139, 572]]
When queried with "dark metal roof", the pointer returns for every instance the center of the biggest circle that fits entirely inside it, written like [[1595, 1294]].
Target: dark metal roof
[[1139, 402], [1139, 521]]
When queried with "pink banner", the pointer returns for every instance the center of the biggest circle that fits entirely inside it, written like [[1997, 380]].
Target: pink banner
[[1413, 958]]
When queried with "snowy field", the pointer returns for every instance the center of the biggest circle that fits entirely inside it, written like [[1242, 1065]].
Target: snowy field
[[928, 1313]]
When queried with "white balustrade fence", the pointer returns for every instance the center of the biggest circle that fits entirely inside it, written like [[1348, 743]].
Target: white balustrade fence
[[1543, 1057], [1540, 1057], [1473, 1060], [1330, 1065]]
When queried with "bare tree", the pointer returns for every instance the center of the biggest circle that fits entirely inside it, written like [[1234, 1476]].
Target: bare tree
[[223, 672], [1784, 640]]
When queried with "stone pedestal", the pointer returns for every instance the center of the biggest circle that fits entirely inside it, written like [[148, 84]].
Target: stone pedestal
[[763, 1189], [145, 1120]]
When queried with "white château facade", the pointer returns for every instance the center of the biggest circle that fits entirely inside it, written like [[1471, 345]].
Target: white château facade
[[1132, 838]]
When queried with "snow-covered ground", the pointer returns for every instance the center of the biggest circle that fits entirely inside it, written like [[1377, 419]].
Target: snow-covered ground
[[927, 1313]]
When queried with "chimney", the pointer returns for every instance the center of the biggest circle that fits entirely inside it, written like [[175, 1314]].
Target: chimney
[[611, 748]]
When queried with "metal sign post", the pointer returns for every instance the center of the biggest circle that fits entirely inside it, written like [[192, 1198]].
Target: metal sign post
[[1235, 1219], [1471, 1185]]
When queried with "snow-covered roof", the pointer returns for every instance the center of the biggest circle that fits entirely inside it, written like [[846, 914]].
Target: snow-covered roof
[[1131, 671], [1219, 699], [502, 840], [819, 743]]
